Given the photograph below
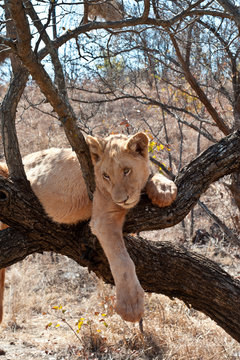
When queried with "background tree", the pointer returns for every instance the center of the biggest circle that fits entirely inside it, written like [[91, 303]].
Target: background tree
[[181, 59]]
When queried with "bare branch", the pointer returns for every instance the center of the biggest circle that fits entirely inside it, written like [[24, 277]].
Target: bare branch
[[169, 109], [229, 234], [202, 96], [146, 9], [53, 52], [232, 9]]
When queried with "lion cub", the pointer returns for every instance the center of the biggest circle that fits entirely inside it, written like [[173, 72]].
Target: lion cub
[[121, 167]]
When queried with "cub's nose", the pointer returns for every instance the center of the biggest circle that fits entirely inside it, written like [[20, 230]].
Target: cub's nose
[[126, 199], [122, 202]]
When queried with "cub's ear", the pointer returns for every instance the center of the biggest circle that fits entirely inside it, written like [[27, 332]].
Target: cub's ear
[[138, 144], [96, 147]]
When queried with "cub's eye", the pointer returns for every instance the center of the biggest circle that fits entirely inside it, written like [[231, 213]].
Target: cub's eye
[[126, 171], [105, 176]]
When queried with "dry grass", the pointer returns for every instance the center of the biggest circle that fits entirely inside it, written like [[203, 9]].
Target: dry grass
[[171, 330], [34, 286]]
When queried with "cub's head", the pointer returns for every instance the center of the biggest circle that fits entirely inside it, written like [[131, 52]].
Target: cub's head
[[121, 166]]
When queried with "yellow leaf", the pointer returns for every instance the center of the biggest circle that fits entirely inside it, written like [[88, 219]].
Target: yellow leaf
[[80, 325]]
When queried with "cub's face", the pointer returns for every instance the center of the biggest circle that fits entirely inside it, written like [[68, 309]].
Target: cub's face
[[121, 166]]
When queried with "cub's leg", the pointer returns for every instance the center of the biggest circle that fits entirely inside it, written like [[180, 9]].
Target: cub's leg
[[106, 223], [161, 190]]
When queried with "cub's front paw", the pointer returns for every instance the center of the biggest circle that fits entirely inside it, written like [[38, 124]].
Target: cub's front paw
[[161, 190], [130, 303]]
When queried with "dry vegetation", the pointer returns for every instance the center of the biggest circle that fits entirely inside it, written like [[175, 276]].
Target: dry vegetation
[[40, 282]]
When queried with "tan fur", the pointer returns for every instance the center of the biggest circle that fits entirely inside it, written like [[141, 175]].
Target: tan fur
[[121, 168], [3, 172], [110, 10], [57, 181]]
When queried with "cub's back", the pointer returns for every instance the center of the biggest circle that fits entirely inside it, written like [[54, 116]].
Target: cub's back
[[56, 178]]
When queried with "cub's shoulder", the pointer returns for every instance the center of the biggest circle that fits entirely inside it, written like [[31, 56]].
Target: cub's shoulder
[[4, 170], [49, 155]]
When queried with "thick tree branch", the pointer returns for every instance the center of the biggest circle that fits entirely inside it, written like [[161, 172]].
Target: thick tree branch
[[193, 180], [8, 113], [59, 104], [199, 282], [161, 268]]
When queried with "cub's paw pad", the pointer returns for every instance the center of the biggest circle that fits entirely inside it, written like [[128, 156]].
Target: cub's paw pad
[[130, 305], [161, 190]]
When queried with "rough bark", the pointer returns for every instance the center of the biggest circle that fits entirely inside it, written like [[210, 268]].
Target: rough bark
[[218, 160], [9, 109], [161, 267]]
